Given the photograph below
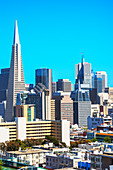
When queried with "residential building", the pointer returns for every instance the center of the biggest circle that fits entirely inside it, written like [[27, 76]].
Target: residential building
[[93, 122], [4, 134], [22, 129], [32, 157], [91, 135], [100, 136], [58, 162], [107, 120], [101, 161], [16, 81], [95, 110]]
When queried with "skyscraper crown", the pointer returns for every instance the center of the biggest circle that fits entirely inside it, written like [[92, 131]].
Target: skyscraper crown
[[16, 35]]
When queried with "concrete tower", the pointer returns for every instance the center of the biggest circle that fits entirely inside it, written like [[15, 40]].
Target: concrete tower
[[16, 76]]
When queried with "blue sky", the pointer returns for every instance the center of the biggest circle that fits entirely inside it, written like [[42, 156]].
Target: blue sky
[[53, 33]]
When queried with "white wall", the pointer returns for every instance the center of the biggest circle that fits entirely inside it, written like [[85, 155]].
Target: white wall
[[66, 132], [4, 134], [21, 127]]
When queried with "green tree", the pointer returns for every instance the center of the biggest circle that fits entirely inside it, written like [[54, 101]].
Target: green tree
[[1, 163], [63, 144], [52, 139], [13, 146], [94, 140], [107, 139]]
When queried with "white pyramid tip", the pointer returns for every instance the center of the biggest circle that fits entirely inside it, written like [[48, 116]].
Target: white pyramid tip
[[16, 35]]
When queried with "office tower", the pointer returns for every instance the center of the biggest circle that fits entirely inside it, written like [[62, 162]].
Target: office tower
[[63, 106], [4, 77], [33, 98], [93, 95], [44, 76], [64, 85], [100, 81], [45, 101], [81, 106], [52, 109], [83, 73], [43, 104], [54, 87], [2, 109], [27, 111], [93, 78], [109, 90], [16, 81]]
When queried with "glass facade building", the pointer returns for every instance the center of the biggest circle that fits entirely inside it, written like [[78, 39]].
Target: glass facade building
[[44, 76]]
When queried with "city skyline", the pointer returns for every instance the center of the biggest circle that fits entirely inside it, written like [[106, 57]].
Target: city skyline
[[49, 39]]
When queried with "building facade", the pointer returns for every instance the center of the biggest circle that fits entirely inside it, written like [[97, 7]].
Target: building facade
[[4, 77], [16, 81], [27, 111], [22, 129], [100, 81], [63, 106], [81, 107], [44, 76], [83, 73], [64, 85]]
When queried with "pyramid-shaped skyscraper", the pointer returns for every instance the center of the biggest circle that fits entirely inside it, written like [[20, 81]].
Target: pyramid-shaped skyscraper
[[16, 82]]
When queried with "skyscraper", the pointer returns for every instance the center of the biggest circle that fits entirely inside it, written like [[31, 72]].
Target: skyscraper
[[16, 81], [64, 85], [4, 77], [63, 106], [44, 76], [81, 106], [83, 73], [100, 81]]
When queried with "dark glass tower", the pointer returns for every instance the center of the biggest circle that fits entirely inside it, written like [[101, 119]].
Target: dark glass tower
[[44, 76]]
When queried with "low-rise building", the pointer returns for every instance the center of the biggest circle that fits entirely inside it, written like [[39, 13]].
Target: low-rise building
[[93, 122], [101, 135], [32, 157], [57, 162], [22, 129], [91, 135], [101, 161]]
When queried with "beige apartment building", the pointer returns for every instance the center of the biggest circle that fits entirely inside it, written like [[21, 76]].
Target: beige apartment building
[[22, 129]]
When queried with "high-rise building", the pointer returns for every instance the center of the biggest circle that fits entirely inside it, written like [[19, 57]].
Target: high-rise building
[[64, 85], [63, 106], [4, 77], [44, 76], [16, 81], [54, 87], [100, 81], [81, 107], [27, 111], [83, 73], [109, 90]]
